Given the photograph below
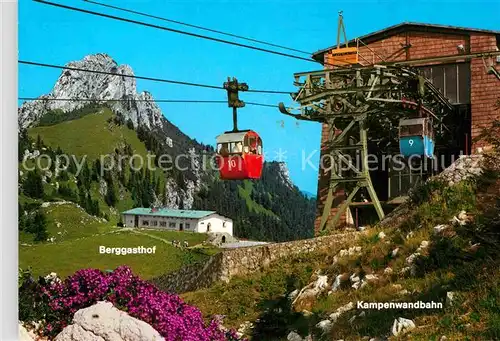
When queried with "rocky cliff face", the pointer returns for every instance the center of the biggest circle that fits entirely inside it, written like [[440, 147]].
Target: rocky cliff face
[[73, 84], [281, 169]]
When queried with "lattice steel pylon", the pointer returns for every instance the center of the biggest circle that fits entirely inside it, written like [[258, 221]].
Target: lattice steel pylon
[[358, 104]]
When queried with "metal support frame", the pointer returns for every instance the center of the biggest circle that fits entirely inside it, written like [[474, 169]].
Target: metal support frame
[[360, 178], [356, 102], [492, 70], [233, 101], [341, 27]]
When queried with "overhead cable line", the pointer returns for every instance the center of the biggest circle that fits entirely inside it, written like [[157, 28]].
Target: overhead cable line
[[137, 100], [182, 32], [196, 26], [173, 30], [162, 80]]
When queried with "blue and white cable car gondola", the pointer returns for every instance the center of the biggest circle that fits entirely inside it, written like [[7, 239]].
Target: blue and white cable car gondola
[[416, 137]]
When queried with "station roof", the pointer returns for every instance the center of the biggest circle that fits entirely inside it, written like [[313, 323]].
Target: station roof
[[164, 212], [403, 27]]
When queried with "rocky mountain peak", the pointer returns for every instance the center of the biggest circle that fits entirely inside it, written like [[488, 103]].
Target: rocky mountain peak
[[76, 84], [281, 170]]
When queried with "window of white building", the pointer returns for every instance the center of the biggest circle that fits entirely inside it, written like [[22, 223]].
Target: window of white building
[[171, 225]]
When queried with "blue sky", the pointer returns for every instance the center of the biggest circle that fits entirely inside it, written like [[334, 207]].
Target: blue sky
[[52, 35]]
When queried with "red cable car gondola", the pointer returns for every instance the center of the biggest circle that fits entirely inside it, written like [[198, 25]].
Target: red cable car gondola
[[239, 152], [239, 155]]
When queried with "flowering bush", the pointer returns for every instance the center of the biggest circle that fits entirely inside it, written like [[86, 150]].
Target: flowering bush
[[167, 313]]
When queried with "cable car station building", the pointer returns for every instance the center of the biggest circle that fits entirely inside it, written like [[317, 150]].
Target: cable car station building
[[177, 220], [458, 62]]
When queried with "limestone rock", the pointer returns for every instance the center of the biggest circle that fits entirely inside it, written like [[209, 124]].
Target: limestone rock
[[140, 107], [103, 322], [24, 335], [307, 296], [352, 251], [293, 336], [75, 332], [245, 327], [462, 215], [325, 325], [410, 259], [444, 230], [339, 280], [356, 285], [293, 294], [406, 270], [463, 168], [371, 277], [334, 316], [401, 326], [52, 277], [450, 295], [381, 235], [395, 252]]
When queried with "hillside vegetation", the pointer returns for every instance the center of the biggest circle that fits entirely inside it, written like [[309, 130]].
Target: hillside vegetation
[[267, 209], [91, 135], [66, 214], [68, 256], [442, 246]]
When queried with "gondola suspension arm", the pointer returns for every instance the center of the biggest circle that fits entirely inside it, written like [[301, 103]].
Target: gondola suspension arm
[[233, 101]]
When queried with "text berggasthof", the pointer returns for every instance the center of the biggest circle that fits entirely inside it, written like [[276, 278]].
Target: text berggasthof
[[122, 251]]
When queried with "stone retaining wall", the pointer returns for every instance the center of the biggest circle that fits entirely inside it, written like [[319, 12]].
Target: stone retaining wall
[[243, 261]]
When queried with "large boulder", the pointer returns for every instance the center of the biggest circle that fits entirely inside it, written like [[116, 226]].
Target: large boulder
[[103, 322], [307, 296], [24, 335]]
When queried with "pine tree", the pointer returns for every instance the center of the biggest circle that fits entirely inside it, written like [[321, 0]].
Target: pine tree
[[39, 142], [110, 197], [72, 165], [21, 218], [95, 208], [33, 185], [39, 227], [158, 187], [164, 195]]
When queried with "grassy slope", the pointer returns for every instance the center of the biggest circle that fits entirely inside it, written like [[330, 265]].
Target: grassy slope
[[245, 299], [68, 222], [446, 265], [90, 135], [76, 246], [68, 256]]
